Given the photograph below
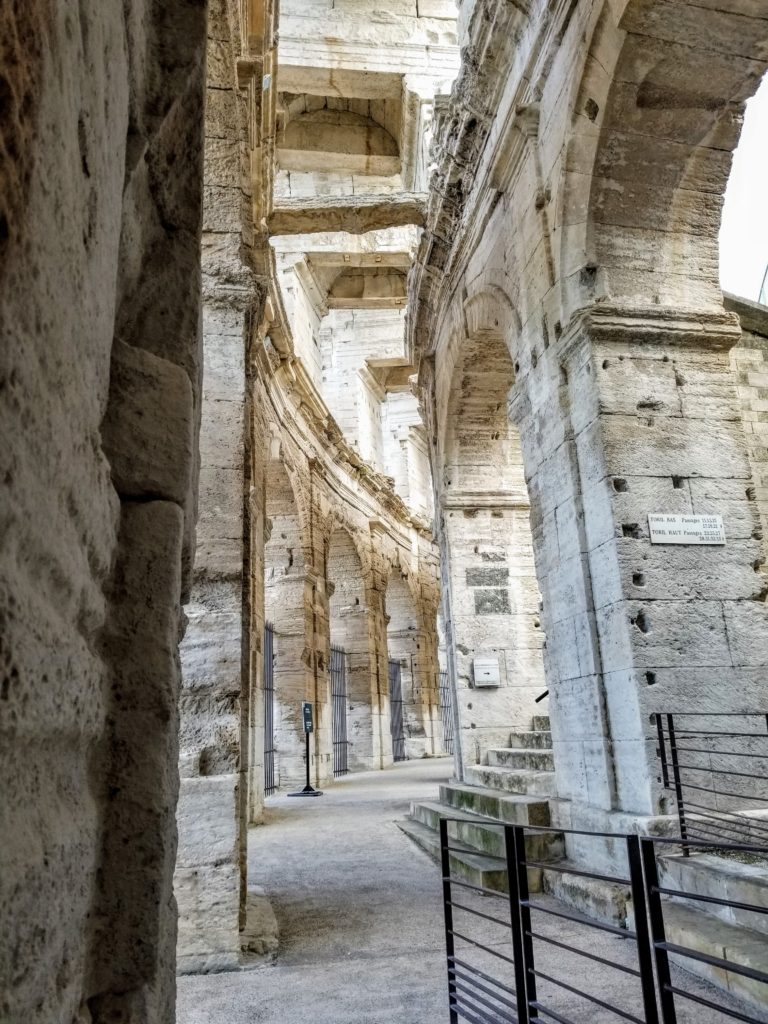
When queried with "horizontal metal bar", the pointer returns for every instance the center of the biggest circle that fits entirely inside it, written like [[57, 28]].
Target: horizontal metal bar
[[722, 753], [724, 732], [465, 850], [714, 961], [467, 982], [586, 995], [476, 888], [567, 869], [709, 899], [722, 792], [715, 830], [705, 844], [550, 1013], [477, 1016], [721, 771], [478, 913], [623, 933], [583, 952], [485, 949], [470, 967], [713, 1006]]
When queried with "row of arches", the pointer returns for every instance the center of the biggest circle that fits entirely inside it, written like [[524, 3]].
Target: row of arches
[[354, 643]]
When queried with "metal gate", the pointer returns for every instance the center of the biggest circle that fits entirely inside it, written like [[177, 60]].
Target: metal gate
[[446, 712], [339, 705], [269, 709], [396, 710]]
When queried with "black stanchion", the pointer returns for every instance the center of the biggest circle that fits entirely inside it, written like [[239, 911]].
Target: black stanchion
[[307, 716]]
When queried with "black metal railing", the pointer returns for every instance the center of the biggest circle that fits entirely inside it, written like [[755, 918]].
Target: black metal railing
[[446, 711], [269, 709], [518, 958], [339, 709], [716, 765], [397, 722]]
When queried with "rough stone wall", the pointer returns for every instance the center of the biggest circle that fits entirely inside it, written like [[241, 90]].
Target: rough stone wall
[[580, 204], [99, 386]]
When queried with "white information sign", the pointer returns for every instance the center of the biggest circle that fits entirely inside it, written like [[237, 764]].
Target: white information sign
[[669, 529]]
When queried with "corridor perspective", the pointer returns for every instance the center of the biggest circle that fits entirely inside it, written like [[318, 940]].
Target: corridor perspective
[[373, 421]]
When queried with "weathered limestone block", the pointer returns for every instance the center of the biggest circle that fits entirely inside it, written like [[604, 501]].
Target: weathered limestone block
[[346, 213]]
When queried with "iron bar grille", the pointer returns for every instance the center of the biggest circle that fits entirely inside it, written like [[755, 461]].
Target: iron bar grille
[[397, 723], [269, 709], [446, 712], [339, 707], [716, 765], [516, 956]]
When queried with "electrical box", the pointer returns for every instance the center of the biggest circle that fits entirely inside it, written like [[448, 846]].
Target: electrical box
[[486, 672]]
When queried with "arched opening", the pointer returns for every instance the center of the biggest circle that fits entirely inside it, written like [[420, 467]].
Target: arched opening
[[494, 628], [356, 717], [286, 674], [409, 693]]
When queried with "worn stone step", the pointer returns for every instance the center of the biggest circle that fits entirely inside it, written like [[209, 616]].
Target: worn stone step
[[533, 739], [485, 835], [478, 869], [603, 901], [533, 760], [512, 780], [704, 933], [492, 803], [540, 723], [724, 878]]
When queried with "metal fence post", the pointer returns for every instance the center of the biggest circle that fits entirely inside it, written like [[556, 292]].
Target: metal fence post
[[445, 860], [658, 935], [520, 920], [642, 935], [678, 783]]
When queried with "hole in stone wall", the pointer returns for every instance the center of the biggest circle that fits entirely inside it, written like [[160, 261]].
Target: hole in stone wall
[[677, 482], [606, 364], [642, 622], [545, 332], [534, 359], [638, 579], [650, 678], [563, 375], [620, 484], [630, 530], [591, 109], [558, 329]]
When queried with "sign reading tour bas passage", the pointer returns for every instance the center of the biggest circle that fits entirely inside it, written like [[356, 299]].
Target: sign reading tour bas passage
[[666, 529], [306, 714]]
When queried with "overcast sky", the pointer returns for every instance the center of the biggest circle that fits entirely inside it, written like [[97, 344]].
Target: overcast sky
[[744, 231]]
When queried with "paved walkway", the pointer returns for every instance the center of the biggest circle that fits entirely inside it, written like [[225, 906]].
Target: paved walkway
[[359, 909]]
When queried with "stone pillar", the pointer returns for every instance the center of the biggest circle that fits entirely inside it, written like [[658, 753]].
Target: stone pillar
[[636, 412], [381, 721]]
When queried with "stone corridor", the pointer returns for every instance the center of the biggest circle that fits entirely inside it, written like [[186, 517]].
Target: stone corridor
[[358, 907]]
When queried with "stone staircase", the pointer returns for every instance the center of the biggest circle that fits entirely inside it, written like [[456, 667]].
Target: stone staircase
[[512, 788]]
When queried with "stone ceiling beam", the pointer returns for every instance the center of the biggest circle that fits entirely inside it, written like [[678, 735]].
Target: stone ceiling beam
[[354, 214]]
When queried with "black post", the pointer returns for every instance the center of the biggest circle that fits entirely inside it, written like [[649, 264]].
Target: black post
[[308, 718], [445, 860], [658, 935], [642, 935], [520, 920], [678, 784], [662, 751]]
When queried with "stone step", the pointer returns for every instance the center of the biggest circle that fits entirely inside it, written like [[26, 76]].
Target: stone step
[[488, 872], [532, 739], [512, 780], [704, 933], [609, 902], [510, 808], [533, 760], [724, 878], [485, 835], [540, 723]]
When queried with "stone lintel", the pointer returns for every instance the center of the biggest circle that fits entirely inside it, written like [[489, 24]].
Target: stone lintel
[[352, 214]]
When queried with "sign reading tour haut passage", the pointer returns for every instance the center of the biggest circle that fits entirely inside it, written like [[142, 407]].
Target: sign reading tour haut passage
[[670, 529], [306, 714]]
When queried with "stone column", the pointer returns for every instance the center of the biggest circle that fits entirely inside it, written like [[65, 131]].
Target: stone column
[[380, 726], [635, 412]]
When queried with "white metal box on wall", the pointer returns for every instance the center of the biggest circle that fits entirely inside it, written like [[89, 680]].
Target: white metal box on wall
[[486, 672]]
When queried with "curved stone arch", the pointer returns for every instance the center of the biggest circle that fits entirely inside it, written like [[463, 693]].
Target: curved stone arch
[[656, 115], [287, 460], [363, 545]]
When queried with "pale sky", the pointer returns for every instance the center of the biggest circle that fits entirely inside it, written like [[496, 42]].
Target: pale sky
[[744, 230]]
